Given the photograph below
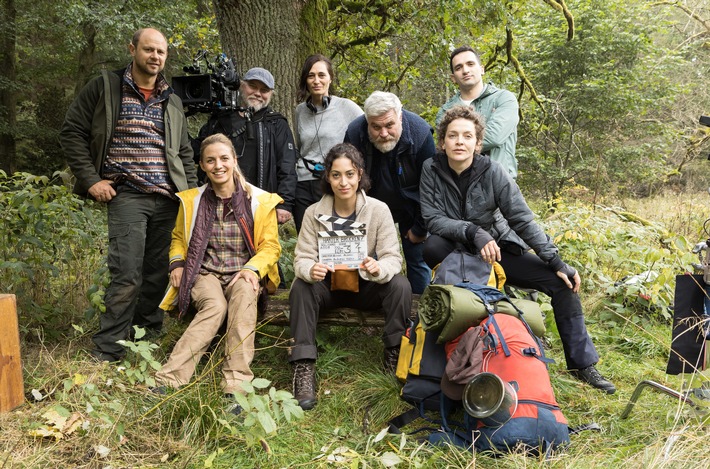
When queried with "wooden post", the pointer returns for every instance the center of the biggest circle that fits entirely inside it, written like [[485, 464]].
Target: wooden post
[[12, 391]]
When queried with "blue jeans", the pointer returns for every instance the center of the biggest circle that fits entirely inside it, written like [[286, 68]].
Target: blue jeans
[[139, 230], [418, 273]]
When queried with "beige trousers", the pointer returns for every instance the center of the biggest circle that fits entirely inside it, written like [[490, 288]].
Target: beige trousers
[[238, 303]]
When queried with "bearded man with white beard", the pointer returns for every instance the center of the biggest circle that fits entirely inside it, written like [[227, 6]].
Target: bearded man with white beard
[[395, 144], [262, 139]]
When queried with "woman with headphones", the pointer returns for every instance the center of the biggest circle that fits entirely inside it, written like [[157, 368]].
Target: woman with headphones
[[321, 122]]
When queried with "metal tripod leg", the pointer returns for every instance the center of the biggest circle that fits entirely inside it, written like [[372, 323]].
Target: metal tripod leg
[[659, 387]]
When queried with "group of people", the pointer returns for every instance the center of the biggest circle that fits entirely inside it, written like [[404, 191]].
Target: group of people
[[215, 247]]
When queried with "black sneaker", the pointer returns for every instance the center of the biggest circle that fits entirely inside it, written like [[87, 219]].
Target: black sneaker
[[591, 376], [101, 357]]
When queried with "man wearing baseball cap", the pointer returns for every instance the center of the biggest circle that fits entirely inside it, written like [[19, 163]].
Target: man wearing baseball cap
[[261, 137]]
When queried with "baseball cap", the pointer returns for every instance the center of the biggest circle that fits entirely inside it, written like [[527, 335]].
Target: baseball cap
[[261, 74]]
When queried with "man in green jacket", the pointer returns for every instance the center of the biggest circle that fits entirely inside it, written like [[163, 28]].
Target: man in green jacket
[[498, 107], [125, 139]]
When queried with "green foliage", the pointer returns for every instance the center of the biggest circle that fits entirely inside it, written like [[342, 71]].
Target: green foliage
[[96, 292], [601, 94], [140, 363], [48, 247], [594, 239], [262, 413], [288, 239], [63, 44]]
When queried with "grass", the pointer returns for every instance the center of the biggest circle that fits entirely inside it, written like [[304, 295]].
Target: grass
[[124, 425]]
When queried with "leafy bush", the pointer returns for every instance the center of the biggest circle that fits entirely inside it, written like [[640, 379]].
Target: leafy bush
[[50, 243], [139, 362], [287, 238], [632, 260]]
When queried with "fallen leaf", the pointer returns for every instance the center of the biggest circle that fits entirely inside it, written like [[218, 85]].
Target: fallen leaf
[[72, 424], [79, 379], [53, 418], [390, 459], [46, 432], [101, 450], [37, 395]]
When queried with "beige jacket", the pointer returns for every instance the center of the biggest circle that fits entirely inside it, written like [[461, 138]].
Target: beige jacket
[[382, 240]]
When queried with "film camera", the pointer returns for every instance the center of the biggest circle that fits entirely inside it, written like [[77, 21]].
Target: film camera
[[211, 88]]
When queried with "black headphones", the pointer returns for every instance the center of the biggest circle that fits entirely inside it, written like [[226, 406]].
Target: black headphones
[[312, 107]]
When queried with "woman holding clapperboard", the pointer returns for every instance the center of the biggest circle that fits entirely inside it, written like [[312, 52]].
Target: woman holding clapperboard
[[328, 274]]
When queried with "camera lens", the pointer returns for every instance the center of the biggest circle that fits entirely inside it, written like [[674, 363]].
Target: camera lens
[[195, 91]]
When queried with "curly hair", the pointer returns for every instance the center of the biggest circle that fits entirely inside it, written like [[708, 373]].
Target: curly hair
[[461, 112], [344, 150]]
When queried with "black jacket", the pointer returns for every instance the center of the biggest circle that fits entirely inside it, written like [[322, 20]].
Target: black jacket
[[395, 175], [276, 152], [493, 202]]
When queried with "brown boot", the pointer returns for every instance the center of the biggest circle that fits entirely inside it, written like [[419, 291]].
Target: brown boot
[[391, 357], [304, 383]]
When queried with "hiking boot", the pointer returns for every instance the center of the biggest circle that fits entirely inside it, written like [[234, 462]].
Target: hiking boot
[[391, 358], [304, 383], [591, 376]]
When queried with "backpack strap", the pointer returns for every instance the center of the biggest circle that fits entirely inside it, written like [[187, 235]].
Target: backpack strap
[[395, 424], [499, 333]]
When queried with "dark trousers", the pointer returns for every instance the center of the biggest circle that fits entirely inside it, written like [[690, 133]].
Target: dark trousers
[[139, 230], [418, 272], [307, 300], [529, 271], [307, 193]]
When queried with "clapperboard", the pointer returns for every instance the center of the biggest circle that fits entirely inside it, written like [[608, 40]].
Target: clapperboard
[[342, 247]]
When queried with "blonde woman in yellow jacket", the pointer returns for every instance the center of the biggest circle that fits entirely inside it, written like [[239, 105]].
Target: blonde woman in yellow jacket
[[224, 250]]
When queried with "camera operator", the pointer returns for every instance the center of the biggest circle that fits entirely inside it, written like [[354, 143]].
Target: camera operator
[[261, 137]]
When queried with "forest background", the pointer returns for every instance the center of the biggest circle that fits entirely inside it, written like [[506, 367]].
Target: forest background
[[611, 157]]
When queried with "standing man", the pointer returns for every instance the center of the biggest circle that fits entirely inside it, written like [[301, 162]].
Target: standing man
[[125, 139], [262, 139], [498, 107], [395, 144]]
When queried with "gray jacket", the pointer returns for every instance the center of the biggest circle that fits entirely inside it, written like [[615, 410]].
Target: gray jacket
[[492, 202]]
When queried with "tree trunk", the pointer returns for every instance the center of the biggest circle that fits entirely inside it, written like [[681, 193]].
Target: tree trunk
[[8, 90], [87, 57], [274, 34]]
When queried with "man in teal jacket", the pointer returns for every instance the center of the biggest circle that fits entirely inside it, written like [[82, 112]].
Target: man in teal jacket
[[498, 107], [125, 139]]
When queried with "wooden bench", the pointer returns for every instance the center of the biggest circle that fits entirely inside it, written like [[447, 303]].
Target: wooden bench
[[277, 313]]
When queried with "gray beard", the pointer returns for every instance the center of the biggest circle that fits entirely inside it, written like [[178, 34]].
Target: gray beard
[[385, 147], [257, 107]]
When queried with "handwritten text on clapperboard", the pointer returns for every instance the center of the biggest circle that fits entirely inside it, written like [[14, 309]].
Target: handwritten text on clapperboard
[[342, 247]]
